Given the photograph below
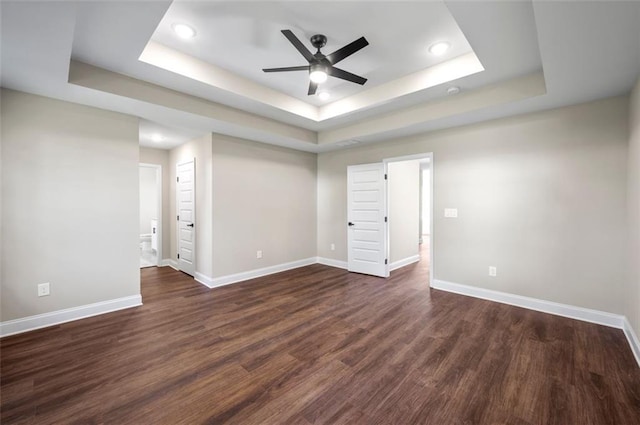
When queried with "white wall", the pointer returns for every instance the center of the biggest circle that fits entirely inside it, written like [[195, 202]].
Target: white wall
[[69, 204], [264, 199], [632, 295], [148, 198], [403, 188], [541, 196], [161, 157], [200, 149]]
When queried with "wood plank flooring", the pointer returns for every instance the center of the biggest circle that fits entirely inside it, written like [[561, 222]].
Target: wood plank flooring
[[318, 345]]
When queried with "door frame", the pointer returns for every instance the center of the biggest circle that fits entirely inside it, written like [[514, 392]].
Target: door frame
[[158, 169], [427, 155]]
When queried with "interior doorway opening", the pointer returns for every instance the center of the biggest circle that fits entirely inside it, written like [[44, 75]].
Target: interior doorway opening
[[410, 212], [150, 177]]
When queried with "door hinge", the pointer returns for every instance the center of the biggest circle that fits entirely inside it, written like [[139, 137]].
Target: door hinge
[[178, 217], [385, 177], [386, 261], [178, 179], [385, 219], [178, 256]]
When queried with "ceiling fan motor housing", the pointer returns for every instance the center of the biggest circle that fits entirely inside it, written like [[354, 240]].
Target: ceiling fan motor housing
[[318, 41]]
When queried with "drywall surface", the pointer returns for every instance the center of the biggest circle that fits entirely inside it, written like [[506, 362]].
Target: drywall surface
[[69, 205], [425, 218], [403, 190], [540, 196], [148, 199], [264, 200], [161, 157]]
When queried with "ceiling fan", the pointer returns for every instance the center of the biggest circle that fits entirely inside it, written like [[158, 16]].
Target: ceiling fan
[[320, 65]]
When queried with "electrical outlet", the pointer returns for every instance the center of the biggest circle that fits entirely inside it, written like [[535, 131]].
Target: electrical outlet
[[333, 247], [493, 271], [258, 254], [43, 289]]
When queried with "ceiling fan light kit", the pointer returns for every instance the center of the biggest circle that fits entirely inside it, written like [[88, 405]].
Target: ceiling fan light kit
[[318, 73], [320, 65]]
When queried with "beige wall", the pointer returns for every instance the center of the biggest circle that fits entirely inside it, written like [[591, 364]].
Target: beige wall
[[264, 199], [69, 204], [148, 199], [632, 295], [403, 190], [540, 196], [425, 196], [161, 157], [200, 149]]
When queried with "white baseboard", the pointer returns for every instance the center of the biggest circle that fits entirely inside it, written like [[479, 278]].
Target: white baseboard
[[204, 279], [565, 310], [12, 327], [251, 274], [333, 263], [404, 262], [169, 262], [634, 343]]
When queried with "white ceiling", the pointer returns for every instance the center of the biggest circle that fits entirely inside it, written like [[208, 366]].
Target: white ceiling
[[585, 50], [244, 37]]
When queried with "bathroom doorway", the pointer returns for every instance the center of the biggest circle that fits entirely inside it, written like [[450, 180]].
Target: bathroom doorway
[[150, 215]]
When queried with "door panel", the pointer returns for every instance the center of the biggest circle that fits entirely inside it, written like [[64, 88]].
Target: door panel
[[367, 234], [186, 216]]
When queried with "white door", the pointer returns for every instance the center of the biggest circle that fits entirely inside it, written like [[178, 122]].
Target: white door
[[186, 208], [366, 210]]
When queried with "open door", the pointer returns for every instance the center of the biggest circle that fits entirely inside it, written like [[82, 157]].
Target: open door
[[186, 197], [366, 215]]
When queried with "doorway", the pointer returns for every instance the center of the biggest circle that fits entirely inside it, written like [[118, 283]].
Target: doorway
[[150, 177], [390, 215], [409, 211]]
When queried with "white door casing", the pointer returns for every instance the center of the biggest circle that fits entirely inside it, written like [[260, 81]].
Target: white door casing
[[366, 216], [186, 209]]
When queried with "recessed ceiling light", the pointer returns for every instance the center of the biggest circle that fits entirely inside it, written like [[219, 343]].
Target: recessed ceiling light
[[324, 95], [439, 48], [183, 30], [156, 138], [453, 90]]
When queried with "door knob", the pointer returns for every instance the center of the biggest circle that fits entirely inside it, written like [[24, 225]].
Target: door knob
[[351, 224], [190, 225]]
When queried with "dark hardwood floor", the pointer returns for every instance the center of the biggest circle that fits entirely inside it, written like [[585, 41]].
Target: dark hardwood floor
[[318, 345]]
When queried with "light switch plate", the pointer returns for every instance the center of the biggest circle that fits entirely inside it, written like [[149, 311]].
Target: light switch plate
[[451, 212], [258, 254]]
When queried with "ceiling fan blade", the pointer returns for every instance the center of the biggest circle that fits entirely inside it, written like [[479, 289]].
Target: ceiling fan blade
[[298, 45], [289, 68], [340, 73], [312, 88], [347, 50]]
